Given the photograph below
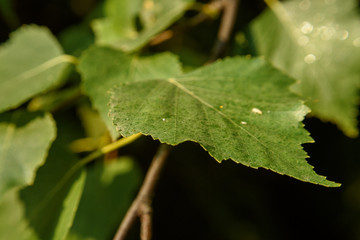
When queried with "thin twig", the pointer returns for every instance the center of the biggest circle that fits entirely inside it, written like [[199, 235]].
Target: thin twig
[[141, 206], [146, 221], [226, 26]]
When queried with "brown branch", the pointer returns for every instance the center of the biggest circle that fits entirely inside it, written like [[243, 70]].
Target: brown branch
[[141, 206], [226, 26], [146, 221]]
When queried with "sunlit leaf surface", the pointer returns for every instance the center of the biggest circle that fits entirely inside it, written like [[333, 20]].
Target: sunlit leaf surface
[[318, 43]]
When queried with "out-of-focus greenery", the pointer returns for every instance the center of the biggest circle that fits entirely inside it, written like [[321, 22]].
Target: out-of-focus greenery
[[198, 198]]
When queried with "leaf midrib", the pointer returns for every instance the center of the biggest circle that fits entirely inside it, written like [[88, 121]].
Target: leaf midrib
[[190, 93], [41, 68]]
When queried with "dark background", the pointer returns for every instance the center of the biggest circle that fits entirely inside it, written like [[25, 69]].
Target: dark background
[[199, 198]]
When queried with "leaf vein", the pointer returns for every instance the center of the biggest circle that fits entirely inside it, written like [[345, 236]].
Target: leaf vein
[[43, 67], [184, 89]]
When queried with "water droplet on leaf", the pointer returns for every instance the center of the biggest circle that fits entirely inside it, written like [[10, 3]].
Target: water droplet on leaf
[[306, 27], [256, 111], [310, 58], [344, 35]]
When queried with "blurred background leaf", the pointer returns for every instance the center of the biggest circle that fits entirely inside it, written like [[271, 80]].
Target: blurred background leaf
[[109, 190], [25, 139], [102, 67], [129, 25], [318, 43], [197, 197], [31, 62]]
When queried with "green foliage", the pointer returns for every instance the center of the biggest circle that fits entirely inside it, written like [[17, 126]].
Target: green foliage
[[317, 42], [110, 184], [18, 129], [45, 208], [120, 66], [237, 108], [241, 108], [33, 60], [119, 27]]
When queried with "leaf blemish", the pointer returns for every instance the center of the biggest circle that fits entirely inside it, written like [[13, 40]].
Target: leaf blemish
[[256, 111]]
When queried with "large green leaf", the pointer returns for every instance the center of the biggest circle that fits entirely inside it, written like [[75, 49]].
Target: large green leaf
[[317, 42], [108, 193], [119, 29], [69, 208], [30, 62], [25, 139], [99, 78], [51, 202], [237, 109]]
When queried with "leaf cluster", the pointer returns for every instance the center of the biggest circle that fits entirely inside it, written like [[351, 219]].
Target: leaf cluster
[[139, 67]]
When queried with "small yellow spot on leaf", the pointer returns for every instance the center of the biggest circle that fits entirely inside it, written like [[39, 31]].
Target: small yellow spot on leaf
[[148, 4], [256, 111]]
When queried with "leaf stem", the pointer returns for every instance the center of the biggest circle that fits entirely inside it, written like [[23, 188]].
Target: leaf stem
[[141, 206], [106, 149], [70, 59], [209, 10], [226, 26]]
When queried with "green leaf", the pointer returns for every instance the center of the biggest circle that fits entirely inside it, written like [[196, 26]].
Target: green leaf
[[13, 225], [70, 206], [31, 62], [237, 109], [25, 139], [119, 67], [118, 28], [91, 121], [51, 202], [317, 42], [108, 193]]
